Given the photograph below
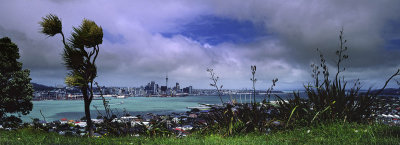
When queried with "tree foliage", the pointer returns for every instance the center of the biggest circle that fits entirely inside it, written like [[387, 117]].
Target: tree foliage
[[51, 25], [15, 88]]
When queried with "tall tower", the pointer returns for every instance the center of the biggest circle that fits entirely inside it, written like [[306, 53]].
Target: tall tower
[[166, 81]]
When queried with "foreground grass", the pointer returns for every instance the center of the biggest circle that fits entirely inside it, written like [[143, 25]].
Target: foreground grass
[[324, 134]]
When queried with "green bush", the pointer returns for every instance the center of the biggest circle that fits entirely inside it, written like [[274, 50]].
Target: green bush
[[330, 99], [241, 118]]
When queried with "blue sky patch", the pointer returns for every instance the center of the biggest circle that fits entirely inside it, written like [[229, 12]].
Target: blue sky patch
[[393, 44], [215, 30], [391, 34], [113, 38]]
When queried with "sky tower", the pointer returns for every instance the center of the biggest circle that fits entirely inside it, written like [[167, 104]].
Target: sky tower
[[166, 81]]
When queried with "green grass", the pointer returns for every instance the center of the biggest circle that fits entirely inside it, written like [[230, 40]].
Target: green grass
[[324, 134]]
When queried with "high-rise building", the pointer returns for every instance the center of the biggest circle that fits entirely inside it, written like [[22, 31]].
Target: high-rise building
[[188, 90], [177, 87], [151, 88], [164, 89]]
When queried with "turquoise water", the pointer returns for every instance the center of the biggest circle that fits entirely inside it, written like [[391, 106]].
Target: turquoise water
[[74, 109]]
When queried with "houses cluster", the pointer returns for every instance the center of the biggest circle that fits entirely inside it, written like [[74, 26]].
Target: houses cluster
[[388, 110], [179, 124]]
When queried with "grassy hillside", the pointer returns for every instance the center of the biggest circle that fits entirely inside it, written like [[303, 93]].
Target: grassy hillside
[[323, 134]]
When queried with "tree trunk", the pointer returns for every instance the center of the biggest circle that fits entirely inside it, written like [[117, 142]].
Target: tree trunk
[[89, 124], [88, 118]]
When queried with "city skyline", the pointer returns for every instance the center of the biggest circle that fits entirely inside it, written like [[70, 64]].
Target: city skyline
[[145, 40]]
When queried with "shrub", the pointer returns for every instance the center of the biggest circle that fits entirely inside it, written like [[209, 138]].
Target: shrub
[[234, 118], [330, 100], [11, 122]]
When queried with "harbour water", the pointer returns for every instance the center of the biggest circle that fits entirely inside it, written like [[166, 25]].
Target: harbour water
[[74, 109]]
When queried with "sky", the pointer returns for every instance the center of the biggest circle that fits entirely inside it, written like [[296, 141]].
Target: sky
[[145, 40]]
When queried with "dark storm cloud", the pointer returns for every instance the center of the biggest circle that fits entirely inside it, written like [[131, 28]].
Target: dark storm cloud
[[303, 26], [135, 51], [39, 56]]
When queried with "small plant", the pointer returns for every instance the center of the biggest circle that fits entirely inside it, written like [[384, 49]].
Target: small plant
[[241, 118], [214, 78], [253, 80], [234, 119], [107, 109], [269, 90]]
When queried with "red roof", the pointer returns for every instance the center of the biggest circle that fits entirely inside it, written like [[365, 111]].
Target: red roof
[[63, 119], [178, 129]]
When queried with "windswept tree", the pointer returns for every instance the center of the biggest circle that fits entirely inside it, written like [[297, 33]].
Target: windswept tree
[[15, 87], [80, 54]]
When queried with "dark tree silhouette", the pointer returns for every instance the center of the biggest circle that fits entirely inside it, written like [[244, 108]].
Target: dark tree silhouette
[[15, 88]]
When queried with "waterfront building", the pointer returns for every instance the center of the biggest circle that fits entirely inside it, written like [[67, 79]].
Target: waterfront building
[[188, 90], [151, 88]]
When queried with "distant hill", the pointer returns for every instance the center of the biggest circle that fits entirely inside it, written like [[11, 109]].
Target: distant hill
[[388, 91], [40, 87]]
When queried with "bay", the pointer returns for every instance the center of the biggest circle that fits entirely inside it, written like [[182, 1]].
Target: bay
[[74, 109]]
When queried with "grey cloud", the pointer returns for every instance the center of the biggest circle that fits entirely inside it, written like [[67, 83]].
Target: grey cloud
[[295, 29], [41, 57], [303, 26]]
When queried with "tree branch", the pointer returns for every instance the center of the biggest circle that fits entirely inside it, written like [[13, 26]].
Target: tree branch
[[91, 92], [97, 53], [63, 40], [387, 81]]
